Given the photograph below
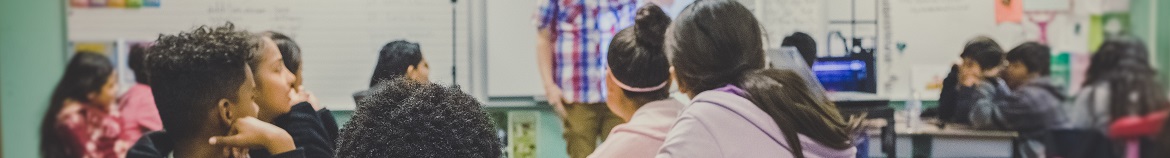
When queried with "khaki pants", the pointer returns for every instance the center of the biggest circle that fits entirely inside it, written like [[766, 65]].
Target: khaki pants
[[586, 125]]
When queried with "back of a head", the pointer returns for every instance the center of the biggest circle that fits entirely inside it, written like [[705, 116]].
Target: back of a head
[[715, 43], [403, 118], [191, 70], [136, 60], [87, 72], [636, 58], [1035, 56], [393, 60], [712, 43], [289, 50], [985, 51], [1123, 63], [804, 44]]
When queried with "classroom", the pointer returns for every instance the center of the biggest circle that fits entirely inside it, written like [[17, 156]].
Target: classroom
[[584, 78]]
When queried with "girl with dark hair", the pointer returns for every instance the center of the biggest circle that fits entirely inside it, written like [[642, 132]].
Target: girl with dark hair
[[82, 120], [639, 88], [739, 108], [398, 59], [1120, 82]]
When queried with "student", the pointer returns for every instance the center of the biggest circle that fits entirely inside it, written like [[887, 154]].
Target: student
[[1120, 82], [312, 127], [398, 59], [1032, 105], [804, 44], [741, 109], [571, 35], [139, 113], [404, 118], [639, 88], [974, 77], [82, 120], [203, 87]]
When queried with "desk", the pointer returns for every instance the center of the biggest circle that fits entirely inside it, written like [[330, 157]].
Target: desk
[[956, 141]]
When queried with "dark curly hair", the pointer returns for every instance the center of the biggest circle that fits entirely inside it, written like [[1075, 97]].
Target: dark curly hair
[[190, 71], [403, 118]]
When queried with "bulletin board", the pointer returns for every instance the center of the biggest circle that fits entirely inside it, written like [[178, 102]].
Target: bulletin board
[[339, 39]]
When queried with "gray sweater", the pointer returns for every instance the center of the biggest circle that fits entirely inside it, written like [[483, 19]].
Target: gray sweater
[[1033, 107]]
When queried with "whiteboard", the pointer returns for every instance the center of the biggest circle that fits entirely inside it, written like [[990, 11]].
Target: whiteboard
[[339, 39], [511, 49], [935, 32]]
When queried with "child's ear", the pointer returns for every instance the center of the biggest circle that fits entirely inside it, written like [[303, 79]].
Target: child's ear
[[410, 70], [223, 111]]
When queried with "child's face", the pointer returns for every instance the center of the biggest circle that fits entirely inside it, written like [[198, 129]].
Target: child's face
[[1016, 74], [246, 96], [273, 82], [420, 73], [105, 95]]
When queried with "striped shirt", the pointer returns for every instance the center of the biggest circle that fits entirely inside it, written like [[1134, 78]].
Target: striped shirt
[[582, 30]]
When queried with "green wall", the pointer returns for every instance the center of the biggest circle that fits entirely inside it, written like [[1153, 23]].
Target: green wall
[[32, 58]]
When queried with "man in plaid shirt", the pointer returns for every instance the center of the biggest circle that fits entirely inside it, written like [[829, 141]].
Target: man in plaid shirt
[[572, 40]]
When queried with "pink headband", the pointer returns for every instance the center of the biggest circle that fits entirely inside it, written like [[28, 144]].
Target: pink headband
[[637, 89]]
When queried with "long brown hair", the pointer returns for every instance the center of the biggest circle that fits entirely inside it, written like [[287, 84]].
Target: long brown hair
[[715, 43], [86, 73]]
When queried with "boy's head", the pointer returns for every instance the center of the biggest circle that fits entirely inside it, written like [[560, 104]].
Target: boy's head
[[136, 62], [290, 51], [201, 80], [984, 53], [1026, 61], [403, 118], [803, 43], [400, 59]]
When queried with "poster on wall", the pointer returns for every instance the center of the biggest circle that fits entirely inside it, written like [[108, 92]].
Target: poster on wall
[[114, 4]]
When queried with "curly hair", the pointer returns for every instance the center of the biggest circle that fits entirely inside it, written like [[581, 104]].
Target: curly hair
[[404, 118], [190, 71]]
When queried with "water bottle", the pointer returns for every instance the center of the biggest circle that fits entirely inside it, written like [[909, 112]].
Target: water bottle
[[914, 110]]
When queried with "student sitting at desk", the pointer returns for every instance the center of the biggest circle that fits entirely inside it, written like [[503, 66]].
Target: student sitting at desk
[[204, 89], [970, 80], [1031, 105], [403, 118], [1120, 82], [639, 88], [741, 109], [398, 59]]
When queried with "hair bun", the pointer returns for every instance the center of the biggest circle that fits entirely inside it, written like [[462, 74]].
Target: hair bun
[[650, 26]]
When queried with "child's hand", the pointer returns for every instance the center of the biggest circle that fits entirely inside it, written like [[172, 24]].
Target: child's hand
[[969, 74], [299, 94], [253, 133]]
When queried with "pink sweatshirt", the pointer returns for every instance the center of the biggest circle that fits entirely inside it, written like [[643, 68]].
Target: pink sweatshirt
[[722, 123], [645, 132], [139, 114]]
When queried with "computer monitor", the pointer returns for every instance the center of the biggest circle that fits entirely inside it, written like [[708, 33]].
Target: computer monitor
[[843, 74]]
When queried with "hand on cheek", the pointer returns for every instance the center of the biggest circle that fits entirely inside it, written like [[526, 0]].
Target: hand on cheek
[[249, 132]]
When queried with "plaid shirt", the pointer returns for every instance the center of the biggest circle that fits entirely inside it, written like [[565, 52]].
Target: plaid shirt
[[582, 30]]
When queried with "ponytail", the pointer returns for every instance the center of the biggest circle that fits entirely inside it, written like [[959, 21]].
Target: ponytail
[[783, 95]]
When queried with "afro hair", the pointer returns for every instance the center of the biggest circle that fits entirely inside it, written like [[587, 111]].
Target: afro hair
[[403, 118]]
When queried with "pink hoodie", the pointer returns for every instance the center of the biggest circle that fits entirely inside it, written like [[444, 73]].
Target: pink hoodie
[[721, 123], [645, 132]]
